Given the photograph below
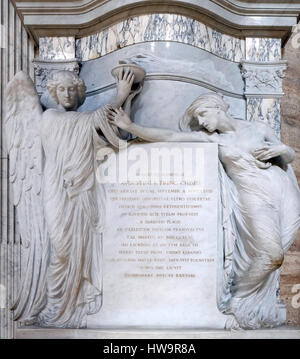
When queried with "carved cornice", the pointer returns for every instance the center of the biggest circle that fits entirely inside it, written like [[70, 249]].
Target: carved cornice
[[266, 7], [82, 17], [240, 7]]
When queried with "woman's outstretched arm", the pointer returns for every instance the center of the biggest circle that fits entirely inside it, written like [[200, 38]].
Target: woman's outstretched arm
[[151, 134]]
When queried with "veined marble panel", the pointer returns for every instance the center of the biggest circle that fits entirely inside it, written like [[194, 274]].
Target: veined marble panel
[[263, 49], [160, 27], [266, 110], [57, 48]]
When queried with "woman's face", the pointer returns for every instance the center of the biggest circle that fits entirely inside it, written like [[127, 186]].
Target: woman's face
[[208, 118], [67, 94]]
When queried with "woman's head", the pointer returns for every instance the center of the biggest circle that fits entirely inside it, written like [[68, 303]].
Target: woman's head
[[206, 111], [67, 89]]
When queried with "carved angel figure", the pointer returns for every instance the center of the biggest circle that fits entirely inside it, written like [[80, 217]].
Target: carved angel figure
[[59, 204], [260, 204]]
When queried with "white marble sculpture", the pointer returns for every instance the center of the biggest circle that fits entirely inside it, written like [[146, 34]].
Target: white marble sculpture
[[58, 201], [260, 204]]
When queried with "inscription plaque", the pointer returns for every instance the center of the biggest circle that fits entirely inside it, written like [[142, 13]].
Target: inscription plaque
[[160, 243]]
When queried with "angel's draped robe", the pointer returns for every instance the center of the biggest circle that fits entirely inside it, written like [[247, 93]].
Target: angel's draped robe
[[74, 214]]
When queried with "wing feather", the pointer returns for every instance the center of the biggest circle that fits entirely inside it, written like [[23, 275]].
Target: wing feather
[[22, 126]]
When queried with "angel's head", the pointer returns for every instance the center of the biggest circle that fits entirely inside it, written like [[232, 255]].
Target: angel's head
[[67, 89]]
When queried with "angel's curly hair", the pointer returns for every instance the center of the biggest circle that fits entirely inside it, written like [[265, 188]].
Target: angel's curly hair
[[56, 80]]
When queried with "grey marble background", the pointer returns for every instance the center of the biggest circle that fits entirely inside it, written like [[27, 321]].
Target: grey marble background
[[176, 75]]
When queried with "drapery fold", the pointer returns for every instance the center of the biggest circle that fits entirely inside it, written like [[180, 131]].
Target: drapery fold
[[260, 215]]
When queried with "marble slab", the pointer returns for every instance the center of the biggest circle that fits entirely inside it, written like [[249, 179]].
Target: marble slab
[[160, 27], [160, 256]]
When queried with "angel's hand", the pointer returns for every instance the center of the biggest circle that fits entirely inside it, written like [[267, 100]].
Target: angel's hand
[[118, 118], [269, 151], [124, 82]]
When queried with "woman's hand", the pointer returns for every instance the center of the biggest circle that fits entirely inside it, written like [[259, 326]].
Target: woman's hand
[[124, 83], [118, 118], [269, 151], [263, 165], [137, 91], [127, 103]]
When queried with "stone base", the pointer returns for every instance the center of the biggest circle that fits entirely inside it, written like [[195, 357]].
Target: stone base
[[284, 332]]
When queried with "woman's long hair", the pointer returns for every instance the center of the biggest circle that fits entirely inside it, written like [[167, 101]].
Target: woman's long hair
[[189, 121]]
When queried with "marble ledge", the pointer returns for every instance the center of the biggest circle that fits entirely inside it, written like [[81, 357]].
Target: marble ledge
[[284, 332]]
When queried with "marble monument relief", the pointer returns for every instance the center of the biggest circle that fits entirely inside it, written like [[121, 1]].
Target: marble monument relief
[[150, 186], [246, 212]]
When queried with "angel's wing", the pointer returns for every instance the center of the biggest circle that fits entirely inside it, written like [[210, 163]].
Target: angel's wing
[[25, 151]]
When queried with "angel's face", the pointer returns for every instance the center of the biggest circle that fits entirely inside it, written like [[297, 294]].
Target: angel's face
[[67, 94]]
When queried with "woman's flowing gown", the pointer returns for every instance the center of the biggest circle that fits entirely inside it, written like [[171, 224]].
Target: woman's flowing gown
[[261, 215]]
